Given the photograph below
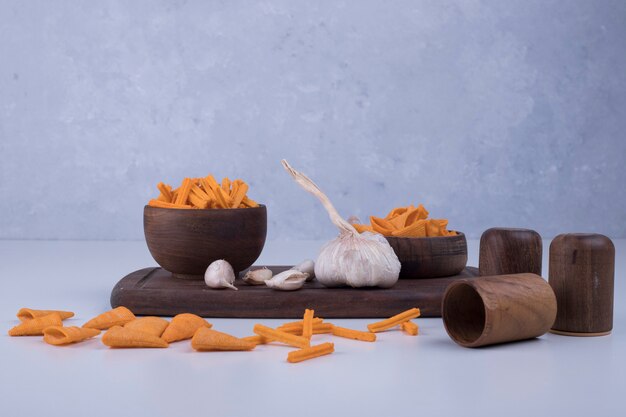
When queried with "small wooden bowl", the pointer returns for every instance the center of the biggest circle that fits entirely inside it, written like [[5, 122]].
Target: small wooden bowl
[[430, 257], [185, 242]]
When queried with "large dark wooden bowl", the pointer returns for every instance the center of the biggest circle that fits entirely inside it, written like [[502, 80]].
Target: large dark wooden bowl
[[430, 257], [185, 242]]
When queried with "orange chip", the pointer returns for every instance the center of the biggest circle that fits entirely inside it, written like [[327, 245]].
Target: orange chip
[[211, 181], [197, 201], [226, 185], [223, 199], [298, 324], [116, 317], [407, 221], [249, 202], [417, 229], [257, 340], [206, 339], [152, 325], [122, 337], [59, 335], [354, 334], [419, 214], [240, 189], [432, 228], [307, 323], [394, 320], [183, 326], [396, 212], [204, 193], [280, 336], [399, 222], [163, 204], [183, 193], [381, 226], [166, 192], [318, 328], [36, 326], [410, 328], [199, 192], [28, 313], [441, 222], [310, 352]]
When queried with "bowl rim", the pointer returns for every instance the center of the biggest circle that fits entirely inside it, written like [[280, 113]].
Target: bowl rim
[[459, 234], [193, 210]]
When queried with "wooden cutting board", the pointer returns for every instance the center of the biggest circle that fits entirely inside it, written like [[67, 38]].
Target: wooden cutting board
[[153, 291]]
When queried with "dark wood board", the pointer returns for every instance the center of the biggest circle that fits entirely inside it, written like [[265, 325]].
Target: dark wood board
[[153, 291]]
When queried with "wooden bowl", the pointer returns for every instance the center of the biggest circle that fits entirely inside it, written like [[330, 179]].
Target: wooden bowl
[[185, 242], [430, 257]]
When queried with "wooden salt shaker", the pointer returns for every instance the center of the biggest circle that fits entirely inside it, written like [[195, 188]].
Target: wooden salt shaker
[[509, 251], [582, 268]]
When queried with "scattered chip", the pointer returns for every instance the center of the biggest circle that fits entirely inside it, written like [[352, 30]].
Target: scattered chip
[[26, 314], [117, 317], [60, 336], [122, 337], [184, 326]]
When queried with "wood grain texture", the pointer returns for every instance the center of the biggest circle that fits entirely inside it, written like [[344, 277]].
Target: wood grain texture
[[582, 269], [185, 242], [430, 257], [509, 251], [153, 291], [498, 309]]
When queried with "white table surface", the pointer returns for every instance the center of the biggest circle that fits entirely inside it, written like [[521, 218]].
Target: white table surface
[[399, 375]]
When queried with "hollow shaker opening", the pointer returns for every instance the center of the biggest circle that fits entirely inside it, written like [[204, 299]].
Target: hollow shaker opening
[[463, 314]]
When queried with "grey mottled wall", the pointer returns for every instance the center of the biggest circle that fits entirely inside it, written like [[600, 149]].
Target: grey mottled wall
[[489, 112]]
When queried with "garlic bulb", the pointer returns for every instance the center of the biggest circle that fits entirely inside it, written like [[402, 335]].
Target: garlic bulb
[[258, 276], [357, 260], [289, 280], [307, 266], [220, 275]]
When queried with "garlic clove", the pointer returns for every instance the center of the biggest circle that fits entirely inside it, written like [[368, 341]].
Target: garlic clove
[[258, 276], [220, 275], [289, 280], [308, 267]]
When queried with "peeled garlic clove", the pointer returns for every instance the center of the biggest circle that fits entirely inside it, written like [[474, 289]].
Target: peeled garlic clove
[[308, 267], [258, 276], [220, 275], [287, 281]]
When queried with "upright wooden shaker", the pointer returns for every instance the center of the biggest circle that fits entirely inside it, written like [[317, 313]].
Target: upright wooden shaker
[[582, 268], [509, 251]]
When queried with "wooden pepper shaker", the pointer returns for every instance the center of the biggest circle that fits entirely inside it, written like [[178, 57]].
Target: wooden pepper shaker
[[582, 268], [509, 251]]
